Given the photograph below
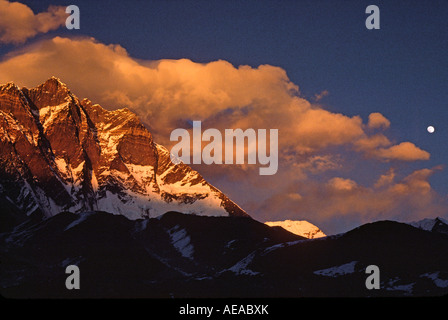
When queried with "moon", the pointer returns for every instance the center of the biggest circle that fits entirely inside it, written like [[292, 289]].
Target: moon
[[430, 129]]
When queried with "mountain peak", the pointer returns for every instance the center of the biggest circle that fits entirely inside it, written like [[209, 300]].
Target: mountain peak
[[439, 219], [52, 92], [9, 85], [10, 89], [53, 85], [54, 82], [431, 224]]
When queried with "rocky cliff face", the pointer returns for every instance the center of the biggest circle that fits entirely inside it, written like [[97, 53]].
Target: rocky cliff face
[[58, 153]]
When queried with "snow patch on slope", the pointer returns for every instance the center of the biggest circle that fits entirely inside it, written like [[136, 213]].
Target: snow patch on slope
[[82, 217], [435, 278], [240, 267], [47, 115], [392, 286], [181, 241], [337, 270]]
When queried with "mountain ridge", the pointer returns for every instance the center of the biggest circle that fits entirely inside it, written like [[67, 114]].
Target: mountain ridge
[[189, 256]]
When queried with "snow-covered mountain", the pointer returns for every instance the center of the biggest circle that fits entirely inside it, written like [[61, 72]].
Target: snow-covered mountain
[[58, 153], [437, 224], [300, 227]]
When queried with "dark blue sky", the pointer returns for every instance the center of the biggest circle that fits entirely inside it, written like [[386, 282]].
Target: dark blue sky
[[400, 70]]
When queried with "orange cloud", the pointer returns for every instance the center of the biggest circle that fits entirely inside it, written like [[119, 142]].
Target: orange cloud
[[371, 143], [405, 151], [320, 96], [416, 181], [316, 164], [377, 120], [385, 179], [18, 22], [318, 128], [341, 200], [341, 184]]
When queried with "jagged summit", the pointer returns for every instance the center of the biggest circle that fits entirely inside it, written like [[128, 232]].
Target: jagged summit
[[9, 85], [50, 93], [11, 88], [437, 224], [59, 153]]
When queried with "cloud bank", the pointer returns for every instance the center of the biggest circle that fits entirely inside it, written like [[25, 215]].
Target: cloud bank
[[19, 23], [168, 93]]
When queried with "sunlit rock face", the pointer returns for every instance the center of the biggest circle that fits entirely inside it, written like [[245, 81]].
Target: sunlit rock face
[[60, 153]]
